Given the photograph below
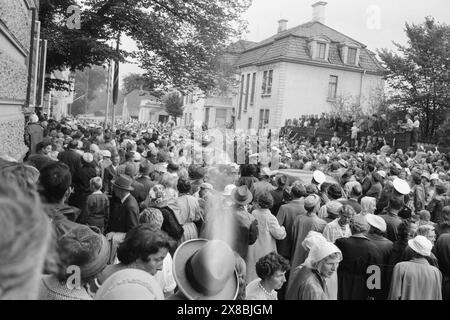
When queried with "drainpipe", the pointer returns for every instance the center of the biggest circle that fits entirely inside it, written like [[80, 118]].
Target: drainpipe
[[30, 58], [360, 86]]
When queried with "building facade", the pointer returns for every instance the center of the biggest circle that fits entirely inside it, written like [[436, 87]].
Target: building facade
[[305, 70], [15, 42], [141, 105]]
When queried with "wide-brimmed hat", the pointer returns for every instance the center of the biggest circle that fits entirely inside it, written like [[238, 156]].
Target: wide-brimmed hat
[[205, 270], [421, 245], [241, 195], [376, 222], [123, 182], [401, 186]]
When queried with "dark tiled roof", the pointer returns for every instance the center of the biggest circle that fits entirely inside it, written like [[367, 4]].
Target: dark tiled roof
[[292, 44]]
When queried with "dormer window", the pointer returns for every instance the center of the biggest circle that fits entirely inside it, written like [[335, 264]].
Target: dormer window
[[319, 48], [322, 48], [351, 56]]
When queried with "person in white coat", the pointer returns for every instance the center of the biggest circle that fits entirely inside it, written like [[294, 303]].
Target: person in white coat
[[269, 230]]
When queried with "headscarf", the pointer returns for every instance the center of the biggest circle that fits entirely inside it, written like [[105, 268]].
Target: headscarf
[[319, 248], [368, 205]]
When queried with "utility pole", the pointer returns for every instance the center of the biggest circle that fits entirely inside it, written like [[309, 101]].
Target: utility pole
[[108, 89], [116, 82], [87, 92]]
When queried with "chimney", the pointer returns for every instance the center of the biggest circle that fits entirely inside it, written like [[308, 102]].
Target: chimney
[[282, 25], [319, 11]]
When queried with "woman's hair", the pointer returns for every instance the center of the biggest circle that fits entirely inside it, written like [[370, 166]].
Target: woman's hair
[[169, 181], [269, 264], [183, 185], [265, 200], [25, 237], [140, 242]]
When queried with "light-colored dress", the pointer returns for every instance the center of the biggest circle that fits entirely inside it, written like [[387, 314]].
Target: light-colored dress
[[254, 291], [269, 230], [189, 211]]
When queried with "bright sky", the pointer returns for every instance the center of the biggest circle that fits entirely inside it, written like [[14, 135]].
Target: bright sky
[[376, 23]]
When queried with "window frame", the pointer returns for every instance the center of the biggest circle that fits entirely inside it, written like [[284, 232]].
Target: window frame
[[319, 46], [252, 95], [348, 55], [330, 84]]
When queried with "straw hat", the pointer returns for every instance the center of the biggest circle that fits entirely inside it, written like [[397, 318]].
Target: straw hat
[[205, 270]]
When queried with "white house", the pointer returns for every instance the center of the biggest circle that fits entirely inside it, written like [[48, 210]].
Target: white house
[[302, 71], [140, 104]]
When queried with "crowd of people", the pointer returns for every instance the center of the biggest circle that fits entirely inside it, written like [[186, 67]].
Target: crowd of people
[[358, 127], [131, 213]]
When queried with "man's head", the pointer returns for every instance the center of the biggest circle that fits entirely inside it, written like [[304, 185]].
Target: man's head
[[55, 180]]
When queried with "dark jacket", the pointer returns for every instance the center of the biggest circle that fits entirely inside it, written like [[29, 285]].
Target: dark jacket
[[277, 195], [34, 133], [109, 175], [147, 183], [358, 254], [124, 216]]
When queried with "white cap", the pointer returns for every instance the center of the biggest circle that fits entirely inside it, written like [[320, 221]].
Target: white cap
[[434, 176], [421, 245], [376, 222], [105, 153], [382, 173], [88, 157], [34, 118], [319, 176], [401, 186]]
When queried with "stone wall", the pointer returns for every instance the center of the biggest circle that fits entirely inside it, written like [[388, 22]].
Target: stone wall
[[15, 29]]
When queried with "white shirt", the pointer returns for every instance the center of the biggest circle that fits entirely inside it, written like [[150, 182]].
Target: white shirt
[[165, 276], [125, 198]]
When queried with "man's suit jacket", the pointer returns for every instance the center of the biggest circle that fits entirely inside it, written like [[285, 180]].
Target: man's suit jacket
[[124, 216]]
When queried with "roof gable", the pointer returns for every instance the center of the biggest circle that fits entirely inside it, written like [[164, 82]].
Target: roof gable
[[292, 44]]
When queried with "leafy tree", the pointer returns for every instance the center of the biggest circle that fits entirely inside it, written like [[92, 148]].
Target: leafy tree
[[179, 41], [419, 73], [174, 103], [135, 81], [93, 79]]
